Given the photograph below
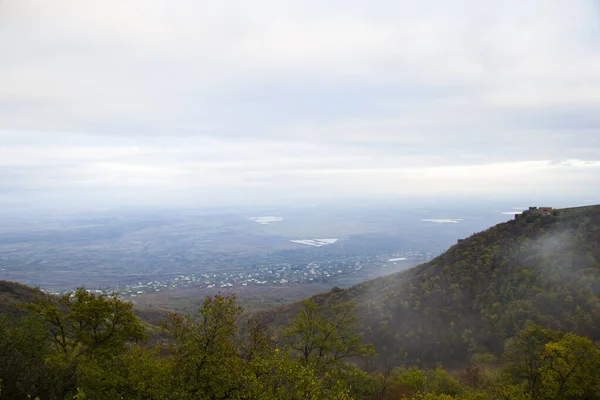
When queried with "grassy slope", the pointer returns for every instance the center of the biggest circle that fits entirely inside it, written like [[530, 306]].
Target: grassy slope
[[466, 302]]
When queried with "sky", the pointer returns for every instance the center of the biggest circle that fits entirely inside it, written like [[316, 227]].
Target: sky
[[187, 102]]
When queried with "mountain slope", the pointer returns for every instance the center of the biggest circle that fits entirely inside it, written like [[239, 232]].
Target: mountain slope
[[465, 303], [12, 294]]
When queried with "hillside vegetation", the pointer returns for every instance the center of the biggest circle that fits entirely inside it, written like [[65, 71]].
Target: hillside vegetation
[[13, 294], [462, 305], [513, 312]]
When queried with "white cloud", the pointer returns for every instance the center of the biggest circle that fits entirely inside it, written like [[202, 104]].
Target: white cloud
[[309, 98]]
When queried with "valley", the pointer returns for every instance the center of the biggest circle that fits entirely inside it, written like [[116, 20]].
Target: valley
[[140, 252]]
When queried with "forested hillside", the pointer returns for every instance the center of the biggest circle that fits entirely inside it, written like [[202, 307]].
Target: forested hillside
[[12, 294], [462, 305]]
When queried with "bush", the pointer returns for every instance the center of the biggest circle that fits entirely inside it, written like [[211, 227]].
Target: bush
[[440, 382]]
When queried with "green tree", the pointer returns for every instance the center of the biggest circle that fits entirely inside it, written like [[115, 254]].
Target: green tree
[[23, 349], [137, 373], [523, 356], [322, 340], [87, 322], [85, 329], [279, 375], [570, 369], [205, 350]]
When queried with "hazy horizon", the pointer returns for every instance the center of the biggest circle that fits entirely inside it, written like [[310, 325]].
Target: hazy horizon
[[194, 104]]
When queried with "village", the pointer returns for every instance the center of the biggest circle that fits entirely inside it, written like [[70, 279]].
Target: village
[[279, 274]]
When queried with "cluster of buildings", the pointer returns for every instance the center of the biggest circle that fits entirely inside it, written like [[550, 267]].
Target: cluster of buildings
[[275, 275], [535, 211], [324, 271], [280, 274]]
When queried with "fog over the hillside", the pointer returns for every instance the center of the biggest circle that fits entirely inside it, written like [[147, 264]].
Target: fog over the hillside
[[196, 103]]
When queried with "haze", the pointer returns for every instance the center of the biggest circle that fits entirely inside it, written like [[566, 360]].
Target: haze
[[187, 103]]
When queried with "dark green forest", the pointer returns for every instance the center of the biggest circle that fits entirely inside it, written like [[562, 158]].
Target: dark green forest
[[509, 313]]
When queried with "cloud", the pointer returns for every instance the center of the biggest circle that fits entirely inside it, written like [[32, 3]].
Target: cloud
[[139, 98]]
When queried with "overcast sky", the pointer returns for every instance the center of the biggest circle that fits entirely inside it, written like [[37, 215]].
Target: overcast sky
[[224, 102]]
